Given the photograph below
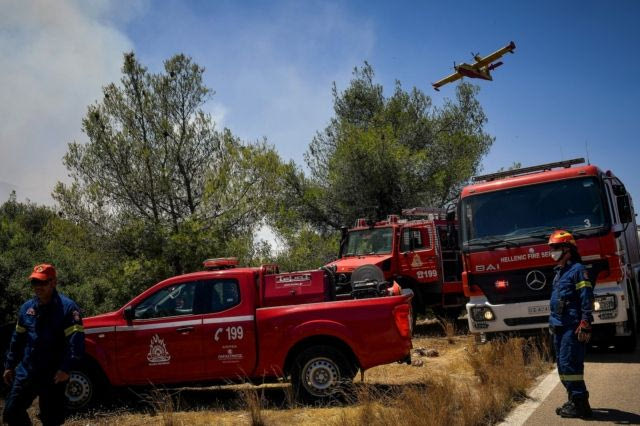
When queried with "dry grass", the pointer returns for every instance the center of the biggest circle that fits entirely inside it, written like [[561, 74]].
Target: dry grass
[[503, 371], [253, 401], [163, 404], [465, 385], [449, 328]]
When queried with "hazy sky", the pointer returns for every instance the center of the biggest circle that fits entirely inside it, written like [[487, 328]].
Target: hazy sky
[[572, 83]]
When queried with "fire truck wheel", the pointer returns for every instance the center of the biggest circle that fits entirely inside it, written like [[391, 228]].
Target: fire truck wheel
[[367, 272], [321, 374]]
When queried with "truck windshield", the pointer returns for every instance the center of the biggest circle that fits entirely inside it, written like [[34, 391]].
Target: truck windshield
[[369, 241], [532, 211]]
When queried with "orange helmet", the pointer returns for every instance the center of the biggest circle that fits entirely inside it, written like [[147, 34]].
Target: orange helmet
[[561, 237]]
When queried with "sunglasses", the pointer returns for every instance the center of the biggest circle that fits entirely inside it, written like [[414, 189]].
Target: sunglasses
[[39, 283]]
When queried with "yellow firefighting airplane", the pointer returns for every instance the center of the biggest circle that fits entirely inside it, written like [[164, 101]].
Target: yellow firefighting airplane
[[480, 69]]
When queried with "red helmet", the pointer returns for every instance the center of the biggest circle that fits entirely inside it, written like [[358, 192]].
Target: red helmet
[[561, 237]]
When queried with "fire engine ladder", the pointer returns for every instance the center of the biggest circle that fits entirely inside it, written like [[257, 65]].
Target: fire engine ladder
[[450, 265]]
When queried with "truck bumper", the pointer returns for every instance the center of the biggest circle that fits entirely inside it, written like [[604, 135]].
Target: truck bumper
[[534, 315]]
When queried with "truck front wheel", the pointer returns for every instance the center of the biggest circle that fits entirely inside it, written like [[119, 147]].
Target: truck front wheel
[[321, 374], [80, 390], [86, 386]]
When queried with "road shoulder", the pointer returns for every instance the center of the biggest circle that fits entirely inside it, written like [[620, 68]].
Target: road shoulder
[[522, 412]]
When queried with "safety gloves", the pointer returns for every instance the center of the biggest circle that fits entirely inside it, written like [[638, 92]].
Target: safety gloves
[[584, 331]]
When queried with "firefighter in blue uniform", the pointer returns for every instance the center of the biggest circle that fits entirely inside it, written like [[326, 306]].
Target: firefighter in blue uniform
[[47, 344], [570, 321]]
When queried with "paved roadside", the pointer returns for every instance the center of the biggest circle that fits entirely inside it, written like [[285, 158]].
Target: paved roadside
[[613, 381]]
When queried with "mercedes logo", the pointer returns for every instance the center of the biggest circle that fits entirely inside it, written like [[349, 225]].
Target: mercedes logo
[[536, 280]]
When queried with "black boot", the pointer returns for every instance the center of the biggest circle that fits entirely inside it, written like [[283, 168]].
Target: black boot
[[566, 404], [568, 410], [562, 407], [582, 403], [578, 407]]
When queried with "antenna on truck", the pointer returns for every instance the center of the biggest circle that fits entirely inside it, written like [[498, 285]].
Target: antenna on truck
[[525, 170], [586, 147]]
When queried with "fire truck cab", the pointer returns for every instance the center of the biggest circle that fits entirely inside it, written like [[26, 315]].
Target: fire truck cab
[[505, 222], [420, 253]]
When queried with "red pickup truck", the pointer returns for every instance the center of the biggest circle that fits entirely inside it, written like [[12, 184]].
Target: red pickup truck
[[228, 322]]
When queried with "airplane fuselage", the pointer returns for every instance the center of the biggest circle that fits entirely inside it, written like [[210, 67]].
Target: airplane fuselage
[[467, 70]]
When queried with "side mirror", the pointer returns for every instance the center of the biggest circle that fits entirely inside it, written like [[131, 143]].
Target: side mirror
[[344, 234], [624, 208], [128, 314]]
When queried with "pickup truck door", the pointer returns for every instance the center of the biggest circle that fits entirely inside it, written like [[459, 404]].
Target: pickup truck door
[[229, 332], [164, 342], [418, 258]]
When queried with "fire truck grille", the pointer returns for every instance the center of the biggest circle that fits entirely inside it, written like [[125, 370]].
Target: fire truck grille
[[517, 290]]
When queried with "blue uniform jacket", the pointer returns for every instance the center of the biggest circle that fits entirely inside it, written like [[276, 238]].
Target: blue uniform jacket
[[571, 296], [48, 337]]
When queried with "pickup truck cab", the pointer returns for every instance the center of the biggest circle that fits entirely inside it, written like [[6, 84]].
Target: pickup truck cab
[[228, 323]]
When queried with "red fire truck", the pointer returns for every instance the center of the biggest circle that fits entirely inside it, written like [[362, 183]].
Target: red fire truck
[[228, 323], [420, 253], [506, 219]]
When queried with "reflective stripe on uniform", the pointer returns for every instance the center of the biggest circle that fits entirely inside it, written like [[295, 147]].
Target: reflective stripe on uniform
[[583, 284], [572, 377], [20, 329], [73, 329]]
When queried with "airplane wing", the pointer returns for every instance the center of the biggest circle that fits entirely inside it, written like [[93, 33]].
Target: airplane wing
[[449, 79], [495, 55]]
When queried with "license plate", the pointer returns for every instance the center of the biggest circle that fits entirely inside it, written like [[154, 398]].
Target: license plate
[[606, 305], [542, 309]]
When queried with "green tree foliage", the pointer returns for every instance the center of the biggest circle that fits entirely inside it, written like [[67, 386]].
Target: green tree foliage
[[158, 179], [22, 244], [305, 248], [381, 154], [90, 270]]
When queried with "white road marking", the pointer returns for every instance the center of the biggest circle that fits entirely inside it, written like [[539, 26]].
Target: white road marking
[[523, 411]]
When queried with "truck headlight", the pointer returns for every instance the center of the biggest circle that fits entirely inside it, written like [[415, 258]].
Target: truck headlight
[[606, 302], [482, 313]]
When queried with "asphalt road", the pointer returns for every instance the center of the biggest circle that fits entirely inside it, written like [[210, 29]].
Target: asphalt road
[[613, 381]]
